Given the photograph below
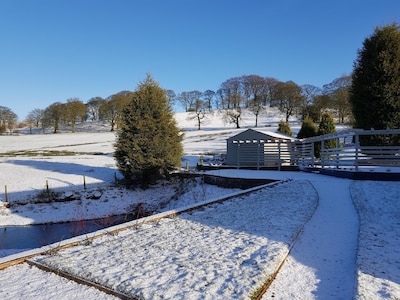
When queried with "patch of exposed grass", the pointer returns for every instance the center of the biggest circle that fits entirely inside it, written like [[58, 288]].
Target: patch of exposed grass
[[81, 144], [46, 153], [259, 291]]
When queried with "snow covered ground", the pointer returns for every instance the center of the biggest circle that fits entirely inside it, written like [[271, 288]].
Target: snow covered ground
[[222, 251], [378, 257], [343, 235]]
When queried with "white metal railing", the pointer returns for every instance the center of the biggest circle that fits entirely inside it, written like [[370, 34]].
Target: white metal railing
[[348, 152]]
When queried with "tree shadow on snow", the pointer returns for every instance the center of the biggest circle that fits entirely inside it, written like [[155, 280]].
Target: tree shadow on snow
[[57, 177], [256, 226]]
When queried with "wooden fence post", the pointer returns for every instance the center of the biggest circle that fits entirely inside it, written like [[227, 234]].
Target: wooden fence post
[[48, 190], [279, 155], [357, 145], [6, 193]]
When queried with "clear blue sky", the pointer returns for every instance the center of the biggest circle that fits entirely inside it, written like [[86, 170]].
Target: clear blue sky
[[53, 50]]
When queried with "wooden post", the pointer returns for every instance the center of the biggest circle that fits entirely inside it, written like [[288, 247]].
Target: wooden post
[[337, 152], [238, 155], [5, 190], [48, 190], [279, 155], [313, 154], [357, 146], [84, 182]]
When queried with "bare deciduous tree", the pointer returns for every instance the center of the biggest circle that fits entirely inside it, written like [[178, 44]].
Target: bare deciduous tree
[[207, 96], [111, 111], [288, 98], [34, 118], [75, 111], [199, 112], [255, 91], [53, 115], [339, 92], [93, 106], [232, 100], [7, 119]]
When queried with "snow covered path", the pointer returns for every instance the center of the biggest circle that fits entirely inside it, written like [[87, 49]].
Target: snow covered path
[[322, 263]]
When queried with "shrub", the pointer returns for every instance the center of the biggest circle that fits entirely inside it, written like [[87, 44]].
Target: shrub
[[284, 128]]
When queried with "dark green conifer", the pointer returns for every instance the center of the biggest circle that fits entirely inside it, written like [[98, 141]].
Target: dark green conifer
[[375, 90], [326, 126], [308, 129], [284, 128], [149, 143]]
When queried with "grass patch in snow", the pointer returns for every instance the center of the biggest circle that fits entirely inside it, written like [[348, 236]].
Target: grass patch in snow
[[46, 153]]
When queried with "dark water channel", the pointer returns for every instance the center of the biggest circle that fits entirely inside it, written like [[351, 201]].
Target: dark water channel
[[35, 236]]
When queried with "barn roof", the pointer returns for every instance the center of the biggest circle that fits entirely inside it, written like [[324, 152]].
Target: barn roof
[[260, 135]]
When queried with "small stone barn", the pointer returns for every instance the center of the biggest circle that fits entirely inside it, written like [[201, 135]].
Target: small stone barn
[[261, 149]]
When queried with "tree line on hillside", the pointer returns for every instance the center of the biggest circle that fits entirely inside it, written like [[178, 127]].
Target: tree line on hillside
[[74, 111], [251, 92], [254, 93]]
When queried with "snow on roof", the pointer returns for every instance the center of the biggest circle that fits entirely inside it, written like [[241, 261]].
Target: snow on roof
[[261, 133]]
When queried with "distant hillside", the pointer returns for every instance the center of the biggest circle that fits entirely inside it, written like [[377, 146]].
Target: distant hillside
[[186, 121], [269, 118]]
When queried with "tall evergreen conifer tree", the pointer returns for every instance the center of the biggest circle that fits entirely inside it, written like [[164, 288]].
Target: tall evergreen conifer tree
[[149, 144], [308, 129], [375, 90], [326, 126]]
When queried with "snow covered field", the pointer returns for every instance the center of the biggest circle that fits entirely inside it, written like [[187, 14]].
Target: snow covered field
[[223, 250]]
